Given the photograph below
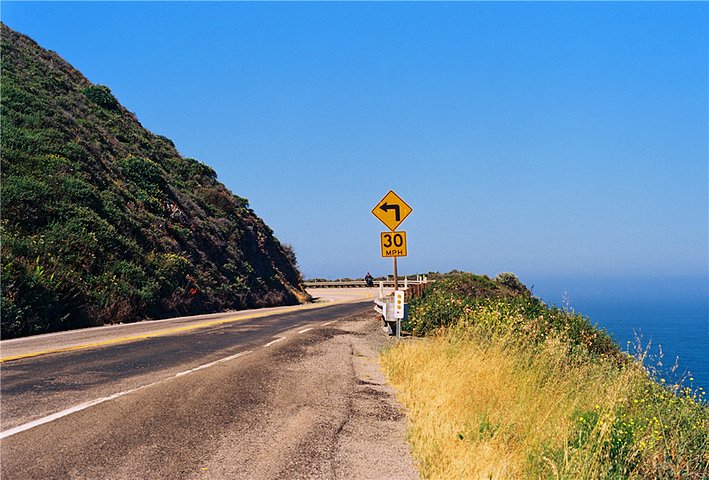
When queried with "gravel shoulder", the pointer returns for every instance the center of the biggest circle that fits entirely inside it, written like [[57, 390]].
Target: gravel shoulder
[[329, 413]]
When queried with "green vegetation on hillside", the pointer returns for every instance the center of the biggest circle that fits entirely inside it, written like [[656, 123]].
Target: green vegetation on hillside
[[104, 222], [505, 387]]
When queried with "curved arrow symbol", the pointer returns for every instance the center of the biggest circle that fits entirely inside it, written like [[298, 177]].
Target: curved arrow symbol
[[386, 207]]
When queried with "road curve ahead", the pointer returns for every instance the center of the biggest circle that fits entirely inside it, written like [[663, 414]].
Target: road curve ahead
[[294, 394]]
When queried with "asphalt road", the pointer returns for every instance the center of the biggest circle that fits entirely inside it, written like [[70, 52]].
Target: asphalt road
[[111, 334], [295, 394]]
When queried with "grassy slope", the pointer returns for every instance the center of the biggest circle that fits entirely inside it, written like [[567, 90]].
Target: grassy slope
[[504, 387], [103, 221]]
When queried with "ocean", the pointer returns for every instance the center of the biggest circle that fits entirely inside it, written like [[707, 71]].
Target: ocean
[[674, 330]]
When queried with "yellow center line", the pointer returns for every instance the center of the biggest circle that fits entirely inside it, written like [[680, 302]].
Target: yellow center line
[[160, 333]]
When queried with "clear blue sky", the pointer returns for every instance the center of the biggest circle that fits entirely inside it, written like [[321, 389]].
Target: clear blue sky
[[566, 142]]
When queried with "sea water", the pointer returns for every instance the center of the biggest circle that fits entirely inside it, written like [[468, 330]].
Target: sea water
[[671, 331]]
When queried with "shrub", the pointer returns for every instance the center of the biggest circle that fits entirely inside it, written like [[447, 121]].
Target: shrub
[[26, 202], [32, 301], [289, 252], [83, 239], [73, 189], [511, 281], [445, 301], [471, 301], [101, 95], [191, 169], [145, 174], [171, 271]]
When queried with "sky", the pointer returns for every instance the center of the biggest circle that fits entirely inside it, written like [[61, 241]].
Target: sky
[[564, 142]]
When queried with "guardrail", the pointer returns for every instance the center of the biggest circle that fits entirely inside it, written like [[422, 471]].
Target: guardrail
[[380, 307], [335, 284], [384, 305], [404, 282], [387, 314]]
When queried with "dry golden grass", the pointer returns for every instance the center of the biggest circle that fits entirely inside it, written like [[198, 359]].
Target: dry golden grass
[[492, 409], [506, 387]]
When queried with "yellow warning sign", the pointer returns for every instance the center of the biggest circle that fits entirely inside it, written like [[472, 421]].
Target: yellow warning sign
[[393, 244], [392, 210]]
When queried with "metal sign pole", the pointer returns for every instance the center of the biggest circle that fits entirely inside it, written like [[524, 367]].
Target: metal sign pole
[[396, 287], [396, 278]]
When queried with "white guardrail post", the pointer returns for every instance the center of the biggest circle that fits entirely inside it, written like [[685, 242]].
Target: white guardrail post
[[386, 308], [381, 308]]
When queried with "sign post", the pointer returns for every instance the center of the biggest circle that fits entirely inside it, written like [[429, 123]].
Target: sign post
[[391, 211], [396, 277]]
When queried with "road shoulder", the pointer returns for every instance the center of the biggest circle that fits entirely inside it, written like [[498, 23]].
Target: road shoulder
[[372, 443], [330, 413]]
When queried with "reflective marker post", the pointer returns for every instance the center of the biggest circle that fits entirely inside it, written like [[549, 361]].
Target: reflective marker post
[[398, 311]]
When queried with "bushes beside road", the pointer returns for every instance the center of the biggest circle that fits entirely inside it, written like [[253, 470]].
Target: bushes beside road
[[503, 386]]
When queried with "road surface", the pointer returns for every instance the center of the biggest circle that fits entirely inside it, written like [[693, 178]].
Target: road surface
[[286, 393]]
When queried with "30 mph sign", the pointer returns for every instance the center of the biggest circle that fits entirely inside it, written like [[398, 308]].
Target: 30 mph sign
[[391, 210], [393, 244]]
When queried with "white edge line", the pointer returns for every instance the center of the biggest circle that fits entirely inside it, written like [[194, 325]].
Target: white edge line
[[84, 406], [328, 323], [207, 365], [275, 341], [63, 413], [305, 330]]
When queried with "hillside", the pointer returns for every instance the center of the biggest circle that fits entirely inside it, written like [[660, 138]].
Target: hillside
[[104, 221]]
